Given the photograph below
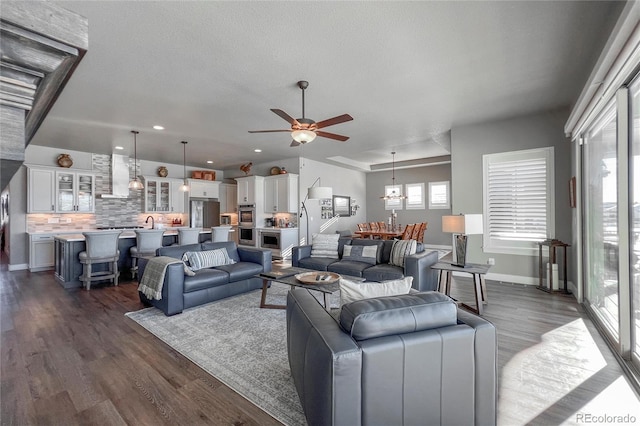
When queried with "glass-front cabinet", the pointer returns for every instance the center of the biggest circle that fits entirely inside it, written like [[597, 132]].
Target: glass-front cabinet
[[163, 195], [75, 192]]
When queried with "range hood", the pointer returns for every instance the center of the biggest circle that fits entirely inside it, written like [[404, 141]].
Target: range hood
[[119, 177]]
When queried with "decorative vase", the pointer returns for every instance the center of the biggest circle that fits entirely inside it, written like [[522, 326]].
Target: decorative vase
[[65, 161], [162, 171], [283, 171]]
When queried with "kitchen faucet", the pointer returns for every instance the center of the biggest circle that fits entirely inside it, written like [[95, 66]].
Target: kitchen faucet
[[153, 224]]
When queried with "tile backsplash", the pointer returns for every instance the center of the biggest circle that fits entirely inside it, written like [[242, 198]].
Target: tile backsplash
[[108, 211]]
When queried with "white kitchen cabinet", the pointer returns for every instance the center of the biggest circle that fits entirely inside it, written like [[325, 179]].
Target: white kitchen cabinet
[[75, 192], [199, 188], [41, 252], [251, 190], [157, 195], [281, 193], [41, 197], [228, 198], [163, 195], [178, 196]]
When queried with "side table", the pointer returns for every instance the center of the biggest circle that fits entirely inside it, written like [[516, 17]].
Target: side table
[[477, 271], [552, 245]]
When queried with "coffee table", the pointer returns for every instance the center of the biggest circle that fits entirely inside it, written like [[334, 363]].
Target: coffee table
[[324, 288]]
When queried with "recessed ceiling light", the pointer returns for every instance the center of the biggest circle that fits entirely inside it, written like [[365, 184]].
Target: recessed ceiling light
[[118, 147], [209, 162], [157, 127], [257, 150]]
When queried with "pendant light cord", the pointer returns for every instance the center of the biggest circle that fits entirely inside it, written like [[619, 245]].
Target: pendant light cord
[[135, 154]]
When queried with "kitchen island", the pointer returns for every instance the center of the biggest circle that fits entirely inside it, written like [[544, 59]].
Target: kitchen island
[[67, 247]]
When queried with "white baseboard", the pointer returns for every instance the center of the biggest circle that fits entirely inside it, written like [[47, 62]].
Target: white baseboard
[[516, 279], [436, 247], [18, 267]]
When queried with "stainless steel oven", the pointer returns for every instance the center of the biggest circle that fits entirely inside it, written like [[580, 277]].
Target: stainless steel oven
[[246, 236], [247, 215], [269, 239]]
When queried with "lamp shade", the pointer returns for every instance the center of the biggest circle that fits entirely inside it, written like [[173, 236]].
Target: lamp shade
[[453, 224], [319, 192], [303, 136], [473, 224], [469, 224]]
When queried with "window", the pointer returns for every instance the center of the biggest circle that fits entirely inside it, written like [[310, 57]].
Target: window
[[439, 195], [518, 200], [415, 196], [393, 203]]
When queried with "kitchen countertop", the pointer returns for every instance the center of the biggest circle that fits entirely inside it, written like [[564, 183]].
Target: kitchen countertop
[[273, 228], [125, 234]]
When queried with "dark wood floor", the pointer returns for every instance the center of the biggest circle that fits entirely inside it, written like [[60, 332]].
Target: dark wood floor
[[72, 357]]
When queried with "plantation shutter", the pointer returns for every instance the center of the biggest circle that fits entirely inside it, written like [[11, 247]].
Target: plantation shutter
[[518, 198]]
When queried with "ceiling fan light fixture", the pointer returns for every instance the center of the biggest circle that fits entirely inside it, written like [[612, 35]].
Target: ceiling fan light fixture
[[303, 136]]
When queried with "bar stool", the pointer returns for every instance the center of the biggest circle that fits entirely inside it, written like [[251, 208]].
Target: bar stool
[[220, 233], [188, 236], [101, 247], [147, 241]]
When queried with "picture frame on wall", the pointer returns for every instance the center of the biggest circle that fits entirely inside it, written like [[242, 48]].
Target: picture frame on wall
[[341, 206]]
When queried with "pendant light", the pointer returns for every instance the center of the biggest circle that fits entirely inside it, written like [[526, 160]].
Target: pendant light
[[185, 185], [135, 183], [394, 195]]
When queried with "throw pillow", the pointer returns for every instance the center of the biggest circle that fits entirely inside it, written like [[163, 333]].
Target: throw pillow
[[367, 254], [400, 250], [325, 245], [207, 259], [351, 291]]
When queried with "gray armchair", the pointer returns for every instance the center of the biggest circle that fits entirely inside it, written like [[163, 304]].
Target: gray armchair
[[410, 359]]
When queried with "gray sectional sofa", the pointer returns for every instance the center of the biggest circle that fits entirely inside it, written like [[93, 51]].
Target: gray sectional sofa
[[417, 265], [409, 359], [180, 291]]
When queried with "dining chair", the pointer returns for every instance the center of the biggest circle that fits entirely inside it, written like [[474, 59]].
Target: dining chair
[[147, 241], [416, 231], [423, 228], [408, 232], [101, 247], [382, 226], [374, 226]]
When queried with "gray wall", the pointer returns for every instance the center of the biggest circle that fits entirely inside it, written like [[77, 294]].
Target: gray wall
[[376, 212], [469, 143]]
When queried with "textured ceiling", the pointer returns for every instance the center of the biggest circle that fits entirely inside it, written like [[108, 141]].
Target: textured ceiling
[[406, 71]]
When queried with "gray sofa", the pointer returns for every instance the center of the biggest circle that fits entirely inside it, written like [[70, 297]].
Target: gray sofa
[[409, 359], [417, 265], [180, 291]]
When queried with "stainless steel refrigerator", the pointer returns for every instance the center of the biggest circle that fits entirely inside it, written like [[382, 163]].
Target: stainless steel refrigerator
[[204, 213]]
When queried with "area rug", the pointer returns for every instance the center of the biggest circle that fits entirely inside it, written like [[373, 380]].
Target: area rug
[[238, 343]]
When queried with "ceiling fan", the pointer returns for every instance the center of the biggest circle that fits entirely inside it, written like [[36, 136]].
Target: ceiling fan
[[304, 130]]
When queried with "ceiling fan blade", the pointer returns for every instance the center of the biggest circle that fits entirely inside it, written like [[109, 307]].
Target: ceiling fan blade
[[294, 144], [332, 136], [285, 116], [335, 120], [268, 131]]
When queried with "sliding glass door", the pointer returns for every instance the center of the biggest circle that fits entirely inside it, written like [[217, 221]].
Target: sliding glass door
[[601, 255], [634, 215]]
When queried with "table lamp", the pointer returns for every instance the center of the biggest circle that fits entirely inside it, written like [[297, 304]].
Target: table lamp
[[461, 226]]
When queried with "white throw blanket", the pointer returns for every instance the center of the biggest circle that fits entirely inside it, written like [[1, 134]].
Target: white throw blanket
[[153, 277]]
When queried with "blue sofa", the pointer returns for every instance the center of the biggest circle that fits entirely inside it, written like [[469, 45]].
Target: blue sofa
[[417, 265], [180, 291]]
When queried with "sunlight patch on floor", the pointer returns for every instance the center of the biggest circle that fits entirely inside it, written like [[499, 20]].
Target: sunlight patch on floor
[[537, 377]]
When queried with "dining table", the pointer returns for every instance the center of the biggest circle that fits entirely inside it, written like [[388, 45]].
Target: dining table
[[384, 235]]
